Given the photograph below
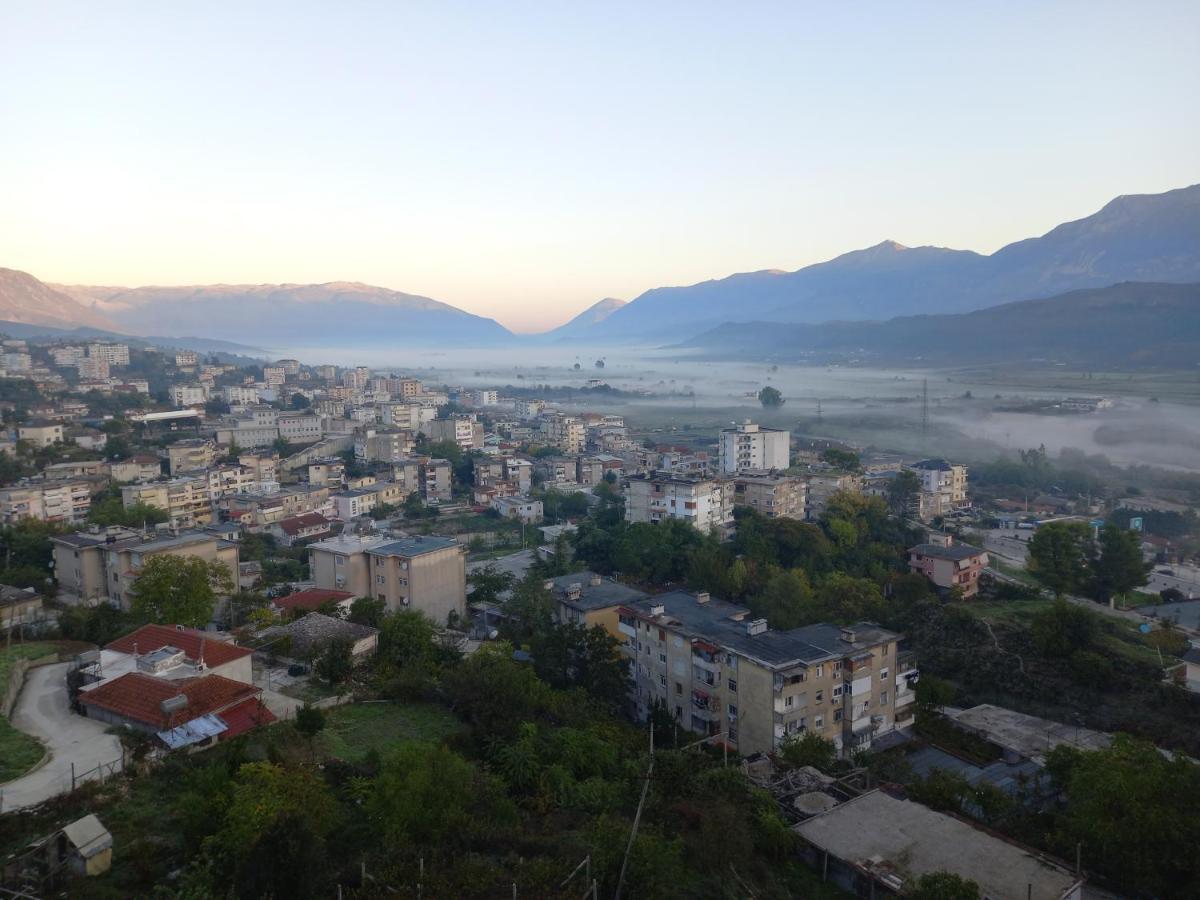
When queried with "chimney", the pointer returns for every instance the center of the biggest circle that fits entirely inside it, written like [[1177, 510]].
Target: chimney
[[849, 635], [657, 609], [575, 591], [756, 626], [702, 597], [548, 584], [594, 580]]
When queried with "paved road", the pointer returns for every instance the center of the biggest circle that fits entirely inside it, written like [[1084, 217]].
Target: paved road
[[42, 711]]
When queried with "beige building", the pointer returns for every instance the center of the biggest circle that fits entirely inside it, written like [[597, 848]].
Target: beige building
[[102, 565], [949, 565], [770, 495], [704, 503], [186, 500], [720, 672], [341, 563], [590, 600], [40, 432], [567, 433], [424, 573], [943, 488], [824, 485], [66, 501], [190, 455], [462, 430]]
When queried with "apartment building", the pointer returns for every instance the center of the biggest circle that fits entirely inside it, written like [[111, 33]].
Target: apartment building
[[299, 428], [92, 369], [436, 479], [261, 508], [943, 488], [529, 409], [274, 376], [424, 573], [412, 416], [142, 467], [408, 388], [113, 354], [186, 359], [66, 501], [68, 357], [592, 601], [186, 499], [719, 672], [103, 564], [462, 430], [949, 565], [523, 509], [240, 395], [752, 447], [256, 426], [822, 486], [704, 503], [770, 495], [40, 432], [567, 433], [327, 471], [520, 472], [341, 563], [190, 455], [263, 466], [383, 444], [189, 394]]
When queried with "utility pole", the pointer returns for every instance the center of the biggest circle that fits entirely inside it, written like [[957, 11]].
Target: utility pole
[[818, 410], [924, 406]]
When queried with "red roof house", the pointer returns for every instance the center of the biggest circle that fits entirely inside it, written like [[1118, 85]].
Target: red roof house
[[219, 657], [310, 600]]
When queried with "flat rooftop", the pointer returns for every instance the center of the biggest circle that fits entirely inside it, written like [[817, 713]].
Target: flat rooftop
[[954, 552], [596, 596], [884, 835], [413, 546], [1030, 736]]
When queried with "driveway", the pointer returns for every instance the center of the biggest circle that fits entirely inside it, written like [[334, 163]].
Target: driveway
[[42, 711]]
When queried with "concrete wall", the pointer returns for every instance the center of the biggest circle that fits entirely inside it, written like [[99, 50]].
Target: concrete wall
[[16, 678]]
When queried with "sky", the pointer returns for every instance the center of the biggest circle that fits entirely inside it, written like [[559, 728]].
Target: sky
[[523, 160]]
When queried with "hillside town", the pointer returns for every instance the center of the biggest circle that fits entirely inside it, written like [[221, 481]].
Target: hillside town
[[283, 561]]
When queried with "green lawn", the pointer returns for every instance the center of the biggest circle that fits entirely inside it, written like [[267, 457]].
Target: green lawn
[[1016, 612], [32, 650], [18, 752], [310, 690], [352, 731]]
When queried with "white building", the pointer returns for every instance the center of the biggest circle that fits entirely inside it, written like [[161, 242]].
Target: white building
[[750, 447], [113, 354], [702, 502], [188, 394], [943, 488]]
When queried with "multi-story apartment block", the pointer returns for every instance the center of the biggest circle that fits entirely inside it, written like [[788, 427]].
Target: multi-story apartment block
[[142, 467], [186, 359], [412, 416], [101, 565], [190, 455], [529, 409], [383, 444], [462, 430], [263, 466], [704, 503], [189, 394], [423, 573], [186, 500], [257, 426], [520, 472], [949, 565], [274, 376], [408, 388], [17, 361], [328, 471], [299, 428], [720, 673], [40, 432], [289, 366], [356, 379], [66, 501], [485, 398], [752, 447], [113, 354], [93, 369], [341, 563], [590, 600], [266, 507], [567, 433], [770, 495], [240, 395], [436, 478], [943, 488], [67, 356], [822, 486]]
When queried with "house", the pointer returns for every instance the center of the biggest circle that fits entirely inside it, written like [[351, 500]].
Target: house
[[750, 447], [567, 433], [876, 844], [587, 599], [523, 509], [192, 712], [19, 606], [949, 565], [312, 633], [40, 432], [704, 503], [173, 652], [311, 600], [306, 527], [719, 672]]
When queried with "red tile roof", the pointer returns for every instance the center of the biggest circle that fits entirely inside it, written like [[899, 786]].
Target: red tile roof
[[245, 716], [139, 697], [310, 600], [295, 524], [193, 643]]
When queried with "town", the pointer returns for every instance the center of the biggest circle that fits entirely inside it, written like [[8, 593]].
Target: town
[[458, 642]]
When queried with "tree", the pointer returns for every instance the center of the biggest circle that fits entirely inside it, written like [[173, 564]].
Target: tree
[[1063, 630], [1058, 556], [770, 398], [786, 602], [943, 886], [336, 662], [367, 611], [489, 582], [847, 460], [809, 749], [111, 511], [901, 491], [1117, 566], [299, 401], [265, 793], [178, 590], [529, 610], [310, 721]]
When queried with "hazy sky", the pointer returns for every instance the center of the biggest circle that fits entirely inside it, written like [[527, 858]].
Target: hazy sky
[[524, 160]]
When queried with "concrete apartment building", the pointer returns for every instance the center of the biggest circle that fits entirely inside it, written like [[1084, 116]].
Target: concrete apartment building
[[186, 359], [436, 478], [424, 573], [91, 369], [718, 671], [40, 432], [189, 394], [66, 501], [186, 500], [943, 488], [704, 503], [752, 447], [113, 354], [299, 428], [592, 601], [383, 444], [567, 433], [949, 565], [427, 573], [190, 455], [462, 430], [103, 564], [770, 495], [823, 485], [142, 467]]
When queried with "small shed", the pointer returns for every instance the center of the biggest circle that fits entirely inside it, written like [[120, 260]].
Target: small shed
[[85, 846]]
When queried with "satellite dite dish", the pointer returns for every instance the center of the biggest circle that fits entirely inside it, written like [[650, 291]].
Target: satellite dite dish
[[1145, 628]]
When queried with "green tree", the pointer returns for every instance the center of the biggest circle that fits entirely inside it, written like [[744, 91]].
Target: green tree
[[1117, 565], [1058, 556], [770, 398], [786, 602], [808, 749], [178, 590], [573, 656], [111, 511], [367, 611], [902, 490], [310, 721], [529, 610], [943, 886], [489, 582], [336, 662], [846, 460], [265, 793], [299, 401], [1062, 630]]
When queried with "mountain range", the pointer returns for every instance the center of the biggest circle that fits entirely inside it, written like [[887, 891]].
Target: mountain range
[[1135, 324], [1136, 238]]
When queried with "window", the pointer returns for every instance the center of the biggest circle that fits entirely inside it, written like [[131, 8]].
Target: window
[[380, 579], [820, 698], [837, 715], [662, 680], [732, 713], [339, 560], [733, 685], [662, 658], [820, 670], [733, 734], [819, 722], [883, 698], [678, 688], [837, 691], [679, 712], [787, 702], [883, 673]]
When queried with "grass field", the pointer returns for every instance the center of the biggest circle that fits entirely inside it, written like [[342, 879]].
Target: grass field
[[18, 752], [354, 730], [31, 650]]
